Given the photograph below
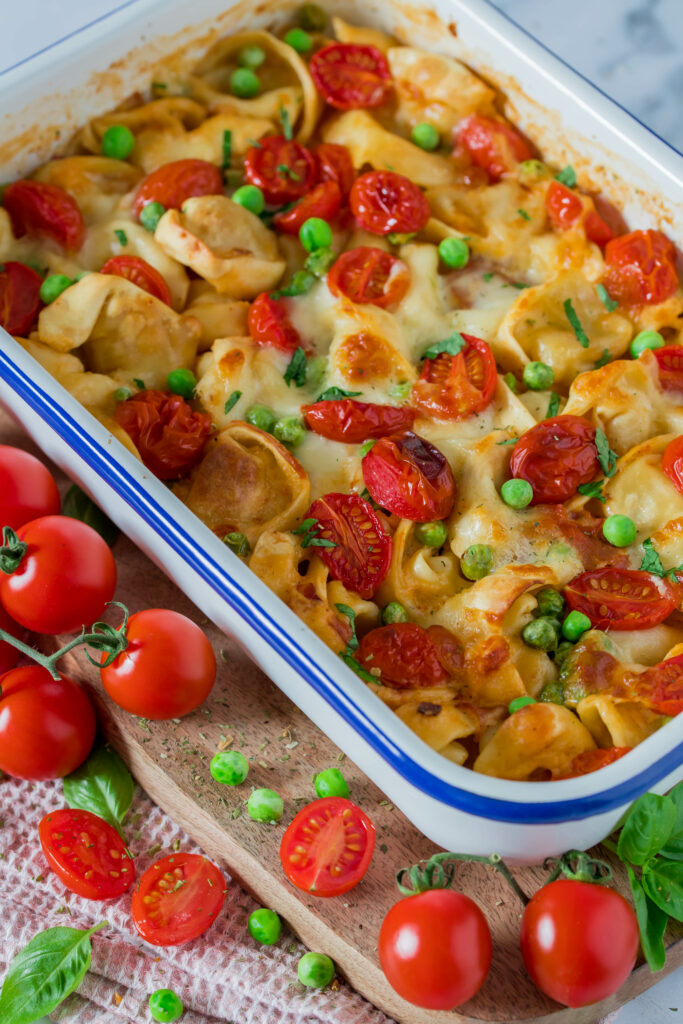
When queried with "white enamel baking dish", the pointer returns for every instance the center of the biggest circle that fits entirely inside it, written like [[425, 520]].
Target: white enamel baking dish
[[48, 96]]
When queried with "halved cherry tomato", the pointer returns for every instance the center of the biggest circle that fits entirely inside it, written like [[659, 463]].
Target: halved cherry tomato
[[385, 202], [168, 434], [672, 462], [38, 208], [409, 656], [86, 853], [19, 297], [334, 164], [361, 554], [621, 598], [269, 324], [171, 184], [177, 899], [323, 201], [141, 273], [670, 360], [27, 488], [354, 422], [454, 387], [366, 274], [640, 268], [282, 168], [555, 457], [349, 76], [493, 145], [661, 687], [328, 847], [409, 476], [592, 760], [564, 209]]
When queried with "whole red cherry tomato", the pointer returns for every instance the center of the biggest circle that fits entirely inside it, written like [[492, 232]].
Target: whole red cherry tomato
[[384, 202], [167, 670], [269, 324], [38, 208], [361, 555], [564, 209], [282, 168], [661, 687], [59, 577], [177, 899], [86, 854], [349, 76], [171, 184], [328, 847], [324, 201], [492, 145], [555, 457], [672, 462], [334, 164], [169, 435], [409, 656], [435, 948], [9, 655], [670, 363], [47, 726], [592, 760], [640, 268], [139, 272], [366, 274], [354, 422], [579, 941], [454, 387], [410, 477], [621, 599], [19, 297], [27, 488]]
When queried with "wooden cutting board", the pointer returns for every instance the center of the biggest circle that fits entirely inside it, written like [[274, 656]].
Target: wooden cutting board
[[246, 711]]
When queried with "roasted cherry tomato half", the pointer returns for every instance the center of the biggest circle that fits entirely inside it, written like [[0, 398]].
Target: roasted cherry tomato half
[[19, 297], [269, 324], [661, 687], [27, 488], [408, 656], [409, 476], [328, 847], [670, 363], [348, 76], [171, 184], [38, 208], [87, 854], [454, 387], [579, 941], [384, 202], [555, 457], [334, 163], [640, 268], [592, 760], [139, 272], [353, 422], [621, 599], [565, 208], [177, 899], [369, 275], [282, 168], [492, 145], [672, 462], [168, 434], [361, 554], [324, 201]]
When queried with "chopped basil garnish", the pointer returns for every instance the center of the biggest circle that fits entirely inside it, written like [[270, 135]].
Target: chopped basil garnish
[[233, 400], [606, 457], [571, 315], [310, 539], [334, 394], [553, 405], [121, 236], [567, 176], [608, 302], [297, 369], [453, 344], [227, 149], [592, 490]]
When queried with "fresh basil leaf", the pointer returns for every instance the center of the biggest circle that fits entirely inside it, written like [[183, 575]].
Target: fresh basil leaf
[[606, 457], [102, 785], [44, 973], [592, 490], [608, 302], [652, 923], [453, 344], [334, 394], [651, 561], [663, 883], [573, 318], [648, 825], [349, 660], [567, 176], [352, 644], [297, 369], [673, 848], [77, 505], [232, 401]]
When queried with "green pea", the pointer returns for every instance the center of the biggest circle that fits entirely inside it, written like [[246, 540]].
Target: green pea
[[312, 17], [538, 376], [301, 283], [315, 970], [118, 142], [541, 634], [165, 1006], [530, 172], [519, 702], [122, 394], [564, 648], [151, 214], [182, 382], [432, 534], [265, 805], [646, 339], [265, 926], [315, 233], [251, 57], [229, 767], [425, 136], [511, 382], [575, 625], [261, 416], [454, 252], [331, 782], [290, 430], [299, 40], [553, 691], [238, 543], [251, 198], [549, 602], [517, 493], [619, 531], [393, 612], [476, 561], [244, 83], [53, 286]]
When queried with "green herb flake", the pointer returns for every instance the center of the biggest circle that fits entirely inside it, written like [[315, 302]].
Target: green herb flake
[[308, 530], [604, 359], [608, 302], [606, 457], [334, 394], [286, 123], [227, 149], [553, 405], [232, 401], [524, 215], [297, 369], [488, 276], [349, 660], [255, 143], [567, 176], [453, 344], [352, 644], [592, 490], [509, 440], [573, 319], [121, 236], [286, 171], [139, 383]]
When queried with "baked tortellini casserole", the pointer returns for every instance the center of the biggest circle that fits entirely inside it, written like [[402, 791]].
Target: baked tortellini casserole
[[427, 386]]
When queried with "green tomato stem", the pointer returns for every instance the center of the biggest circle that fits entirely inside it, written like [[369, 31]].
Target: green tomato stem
[[578, 866], [439, 873], [12, 551]]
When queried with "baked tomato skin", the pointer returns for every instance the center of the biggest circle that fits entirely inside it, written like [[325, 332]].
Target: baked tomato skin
[[672, 463], [579, 941], [592, 760], [640, 268], [361, 555], [173, 183], [369, 275], [492, 145], [453, 387], [409, 476], [19, 297], [168, 434], [409, 656], [621, 599], [27, 488], [86, 854], [661, 686], [555, 457], [139, 272], [670, 363], [324, 201], [435, 948], [269, 324], [564, 208], [349, 76], [334, 163], [263, 166], [384, 202], [41, 209], [327, 848], [177, 899], [353, 422]]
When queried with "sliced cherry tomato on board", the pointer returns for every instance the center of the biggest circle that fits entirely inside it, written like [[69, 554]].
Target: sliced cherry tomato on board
[[564, 209], [555, 457], [27, 488], [171, 184], [324, 201], [19, 297], [672, 461], [661, 687], [38, 208], [592, 760], [621, 599], [269, 324], [493, 145], [579, 941], [349, 76], [369, 275], [334, 163], [454, 387], [361, 554], [177, 899], [282, 168], [670, 362], [640, 268], [409, 476], [168, 434], [86, 854], [409, 656], [328, 847], [139, 272], [384, 202], [354, 422]]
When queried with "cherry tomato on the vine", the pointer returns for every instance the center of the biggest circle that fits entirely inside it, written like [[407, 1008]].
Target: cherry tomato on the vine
[[41, 209], [282, 168], [366, 274], [334, 164], [177, 899], [353, 422], [409, 476], [27, 488], [555, 457], [328, 847], [324, 201], [139, 272], [269, 324], [348, 75], [171, 184], [670, 363], [621, 599], [453, 387], [167, 432], [19, 297], [86, 853], [492, 145], [409, 656], [384, 202], [361, 554], [640, 268], [661, 686]]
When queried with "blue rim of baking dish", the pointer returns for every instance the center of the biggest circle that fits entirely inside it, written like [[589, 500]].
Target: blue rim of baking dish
[[157, 518]]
